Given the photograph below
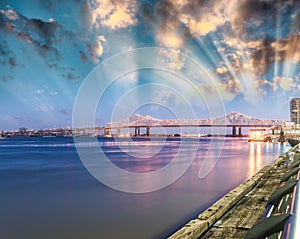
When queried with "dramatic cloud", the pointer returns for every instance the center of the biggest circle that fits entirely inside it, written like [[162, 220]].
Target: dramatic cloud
[[163, 17], [283, 83], [96, 48], [177, 21], [233, 86], [33, 31], [221, 70], [9, 14], [50, 40], [114, 14], [46, 31], [275, 51], [249, 50], [239, 30]]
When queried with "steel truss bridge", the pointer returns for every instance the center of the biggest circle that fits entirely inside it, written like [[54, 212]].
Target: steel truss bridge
[[233, 119]]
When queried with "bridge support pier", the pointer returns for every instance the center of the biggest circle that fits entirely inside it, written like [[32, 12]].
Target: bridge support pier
[[233, 131], [136, 131], [240, 131], [106, 131], [118, 131], [148, 131]]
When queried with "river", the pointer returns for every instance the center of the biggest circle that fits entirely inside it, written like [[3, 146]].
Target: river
[[46, 192]]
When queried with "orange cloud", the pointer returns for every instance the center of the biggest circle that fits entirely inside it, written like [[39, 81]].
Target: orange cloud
[[221, 70], [283, 83], [114, 14], [170, 39]]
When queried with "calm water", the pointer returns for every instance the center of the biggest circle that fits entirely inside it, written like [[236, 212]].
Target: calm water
[[46, 192]]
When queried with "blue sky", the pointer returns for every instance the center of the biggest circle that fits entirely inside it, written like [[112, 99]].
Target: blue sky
[[249, 49]]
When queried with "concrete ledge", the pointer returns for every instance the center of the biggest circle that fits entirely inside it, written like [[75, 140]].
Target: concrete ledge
[[196, 227]]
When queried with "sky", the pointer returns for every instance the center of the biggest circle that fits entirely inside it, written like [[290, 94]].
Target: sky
[[241, 54]]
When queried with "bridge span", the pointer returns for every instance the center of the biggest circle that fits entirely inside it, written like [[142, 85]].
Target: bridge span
[[234, 120]]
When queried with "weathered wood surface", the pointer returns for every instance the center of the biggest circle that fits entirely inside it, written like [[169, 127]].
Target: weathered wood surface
[[234, 214], [236, 223]]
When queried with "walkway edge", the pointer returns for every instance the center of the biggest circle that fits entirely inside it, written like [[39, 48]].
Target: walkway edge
[[196, 227]]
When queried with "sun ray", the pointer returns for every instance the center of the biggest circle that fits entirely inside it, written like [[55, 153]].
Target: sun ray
[[289, 66], [278, 36]]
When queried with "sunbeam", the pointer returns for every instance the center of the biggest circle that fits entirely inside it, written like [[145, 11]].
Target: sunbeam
[[248, 49]]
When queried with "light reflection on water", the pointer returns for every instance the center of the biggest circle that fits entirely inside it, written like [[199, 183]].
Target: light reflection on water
[[47, 193], [257, 154], [255, 160]]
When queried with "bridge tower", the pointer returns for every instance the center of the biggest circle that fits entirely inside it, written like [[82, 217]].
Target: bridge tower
[[148, 131]]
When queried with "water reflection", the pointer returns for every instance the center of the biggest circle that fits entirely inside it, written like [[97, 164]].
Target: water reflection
[[261, 154], [254, 159], [52, 182]]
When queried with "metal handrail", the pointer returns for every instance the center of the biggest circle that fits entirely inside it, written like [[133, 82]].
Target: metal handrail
[[291, 229], [288, 224]]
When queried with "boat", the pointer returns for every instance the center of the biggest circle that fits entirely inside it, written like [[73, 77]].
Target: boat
[[293, 142]]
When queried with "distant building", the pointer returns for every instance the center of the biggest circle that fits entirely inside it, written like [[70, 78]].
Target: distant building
[[295, 110], [22, 130]]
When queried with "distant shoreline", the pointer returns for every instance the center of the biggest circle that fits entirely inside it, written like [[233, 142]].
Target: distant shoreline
[[125, 137]]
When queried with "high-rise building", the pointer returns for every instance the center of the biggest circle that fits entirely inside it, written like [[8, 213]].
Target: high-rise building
[[295, 110]]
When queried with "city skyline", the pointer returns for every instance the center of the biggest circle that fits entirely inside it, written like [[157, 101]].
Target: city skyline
[[47, 50]]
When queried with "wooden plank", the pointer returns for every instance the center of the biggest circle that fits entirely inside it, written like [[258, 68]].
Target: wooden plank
[[236, 222]]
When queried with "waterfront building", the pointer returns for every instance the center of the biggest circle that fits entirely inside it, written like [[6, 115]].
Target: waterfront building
[[295, 110]]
